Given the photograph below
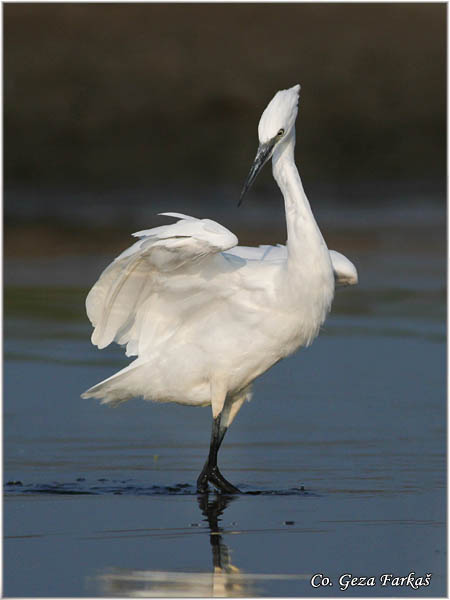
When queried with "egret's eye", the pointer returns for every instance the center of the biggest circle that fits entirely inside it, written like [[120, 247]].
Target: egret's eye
[[280, 133]]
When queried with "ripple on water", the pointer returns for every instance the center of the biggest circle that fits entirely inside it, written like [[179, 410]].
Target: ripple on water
[[105, 486]]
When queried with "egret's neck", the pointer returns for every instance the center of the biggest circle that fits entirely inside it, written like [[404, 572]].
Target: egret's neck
[[303, 235]]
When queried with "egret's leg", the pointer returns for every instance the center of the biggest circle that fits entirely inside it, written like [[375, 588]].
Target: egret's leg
[[202, 481], [221, 422], [210, 472]]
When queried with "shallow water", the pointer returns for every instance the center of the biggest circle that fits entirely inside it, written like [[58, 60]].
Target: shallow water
[[340, 455]]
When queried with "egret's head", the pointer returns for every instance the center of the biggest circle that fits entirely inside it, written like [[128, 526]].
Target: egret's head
[[279, 117], [275, 126]]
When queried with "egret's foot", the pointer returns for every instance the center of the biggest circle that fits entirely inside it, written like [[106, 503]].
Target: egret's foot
[[202, 486], [214, 476], [218, 480], [202, 481]]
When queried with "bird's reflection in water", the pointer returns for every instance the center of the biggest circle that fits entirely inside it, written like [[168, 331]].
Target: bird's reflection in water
[[222, 584], [224, 580]]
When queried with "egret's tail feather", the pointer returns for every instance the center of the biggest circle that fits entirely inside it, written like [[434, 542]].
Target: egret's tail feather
[[118, 388]]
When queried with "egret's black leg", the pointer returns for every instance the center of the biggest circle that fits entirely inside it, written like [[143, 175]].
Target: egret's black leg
[[210, 471]]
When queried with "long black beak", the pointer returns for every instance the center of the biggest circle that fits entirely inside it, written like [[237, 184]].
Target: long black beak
[[262, 156]]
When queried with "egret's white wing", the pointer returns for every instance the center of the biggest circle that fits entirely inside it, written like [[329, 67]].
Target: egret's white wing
[[345, 272], [115, 303], [263, 252]]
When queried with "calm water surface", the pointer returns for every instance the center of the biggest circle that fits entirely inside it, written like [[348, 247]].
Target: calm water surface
[[340, 455]]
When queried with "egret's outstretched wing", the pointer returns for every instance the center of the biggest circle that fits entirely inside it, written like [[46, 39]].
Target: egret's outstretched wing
[[116, 301], [345, 272]]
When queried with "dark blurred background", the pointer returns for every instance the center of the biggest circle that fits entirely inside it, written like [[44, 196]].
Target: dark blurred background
[[113, 112]]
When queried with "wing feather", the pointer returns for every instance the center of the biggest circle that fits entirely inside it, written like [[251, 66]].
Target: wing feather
[[116, 302], [345, 272]]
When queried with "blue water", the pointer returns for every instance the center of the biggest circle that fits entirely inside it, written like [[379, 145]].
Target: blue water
[[340, 455]]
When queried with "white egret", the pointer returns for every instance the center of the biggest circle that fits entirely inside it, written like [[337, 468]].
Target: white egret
[[205, 317]]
